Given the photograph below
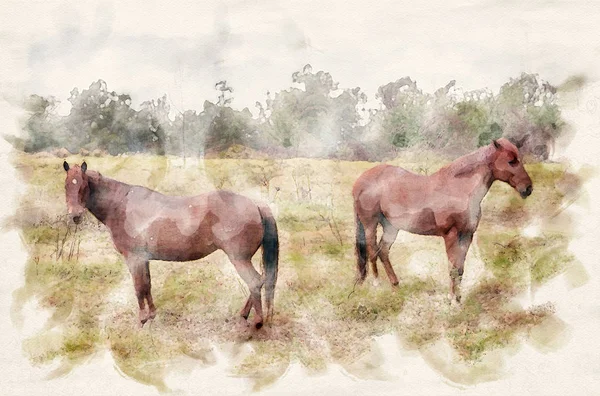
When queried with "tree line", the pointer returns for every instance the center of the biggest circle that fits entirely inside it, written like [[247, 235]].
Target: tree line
[[315, 117]]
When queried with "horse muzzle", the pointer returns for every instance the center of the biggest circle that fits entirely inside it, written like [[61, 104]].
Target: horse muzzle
[[526, 192], [76, 216]]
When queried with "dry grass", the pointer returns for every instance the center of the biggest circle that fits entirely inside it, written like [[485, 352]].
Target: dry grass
[[321, 316]]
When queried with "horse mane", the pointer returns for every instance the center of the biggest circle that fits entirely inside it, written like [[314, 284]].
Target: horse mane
[[94, 176], [102, 184], [97, 178], [468, 163]]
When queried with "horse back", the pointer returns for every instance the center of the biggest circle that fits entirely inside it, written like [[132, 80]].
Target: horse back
[[176, 228], [386, 179], [401, 196]]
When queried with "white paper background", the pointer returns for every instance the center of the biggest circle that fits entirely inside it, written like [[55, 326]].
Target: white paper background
[[148, 49]]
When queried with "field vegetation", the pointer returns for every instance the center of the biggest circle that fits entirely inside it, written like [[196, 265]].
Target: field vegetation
[[321, 317]]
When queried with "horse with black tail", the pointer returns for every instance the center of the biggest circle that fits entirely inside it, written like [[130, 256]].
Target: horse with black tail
[[446, 203], [147, 225]]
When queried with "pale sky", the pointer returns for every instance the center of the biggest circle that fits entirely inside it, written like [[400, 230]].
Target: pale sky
[[183, 48]]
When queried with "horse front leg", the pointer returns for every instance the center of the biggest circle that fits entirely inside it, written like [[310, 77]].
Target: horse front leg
[[140, 273], [457, 245]]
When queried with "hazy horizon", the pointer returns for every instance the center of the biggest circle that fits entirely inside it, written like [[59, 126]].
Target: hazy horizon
[[147, 52]]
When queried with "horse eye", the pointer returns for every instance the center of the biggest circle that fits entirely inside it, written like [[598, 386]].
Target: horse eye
[[513, 162]]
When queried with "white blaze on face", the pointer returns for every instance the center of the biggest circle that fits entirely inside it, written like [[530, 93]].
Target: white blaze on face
[[74, 181]]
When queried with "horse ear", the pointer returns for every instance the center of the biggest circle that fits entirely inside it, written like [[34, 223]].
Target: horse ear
[[83, 167], [519, 143], [496, 144], [66, 166], [522, 141]]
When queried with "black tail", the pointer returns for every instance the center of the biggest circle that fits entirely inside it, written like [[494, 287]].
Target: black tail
[[361, 250], [270, 252]]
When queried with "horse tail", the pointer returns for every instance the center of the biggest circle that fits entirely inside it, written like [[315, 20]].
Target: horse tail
[[270, 256], [361, 249]]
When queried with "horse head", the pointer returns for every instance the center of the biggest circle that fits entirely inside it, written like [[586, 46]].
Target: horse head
[[507, 166], [77, 190]]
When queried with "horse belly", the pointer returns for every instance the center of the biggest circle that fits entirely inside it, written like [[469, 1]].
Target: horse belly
[[422, 223], [169, 244]]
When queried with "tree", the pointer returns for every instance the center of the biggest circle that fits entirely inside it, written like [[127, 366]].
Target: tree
[[404, 112], [227, 127], [528, 109], [316, 118], [100, 119], [475, 117], [152, 125], [42, 124]]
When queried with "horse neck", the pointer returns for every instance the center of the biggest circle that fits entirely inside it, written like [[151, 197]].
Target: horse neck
[[474, 166], [103, 200]]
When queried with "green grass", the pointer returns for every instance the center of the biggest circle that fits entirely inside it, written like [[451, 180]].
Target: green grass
[[552, 261], [74, 292], [291, 217], [187, 287], [321, 315], [526, 259], [42, 234]]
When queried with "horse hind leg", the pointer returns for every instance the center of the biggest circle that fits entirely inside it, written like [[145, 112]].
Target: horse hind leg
[[371, 240], [151, 307], [245, 311], [255, 282], [361, 251], [140, 273], [387, 240]]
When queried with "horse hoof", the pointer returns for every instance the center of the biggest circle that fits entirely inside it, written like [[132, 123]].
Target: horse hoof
[[454, 301], [258, 323], [451, 299]]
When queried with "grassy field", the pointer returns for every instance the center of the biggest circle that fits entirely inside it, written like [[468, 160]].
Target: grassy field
[[321, 317]]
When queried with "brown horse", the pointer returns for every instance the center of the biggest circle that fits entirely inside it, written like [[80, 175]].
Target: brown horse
[[446, 203], [146, 225]]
